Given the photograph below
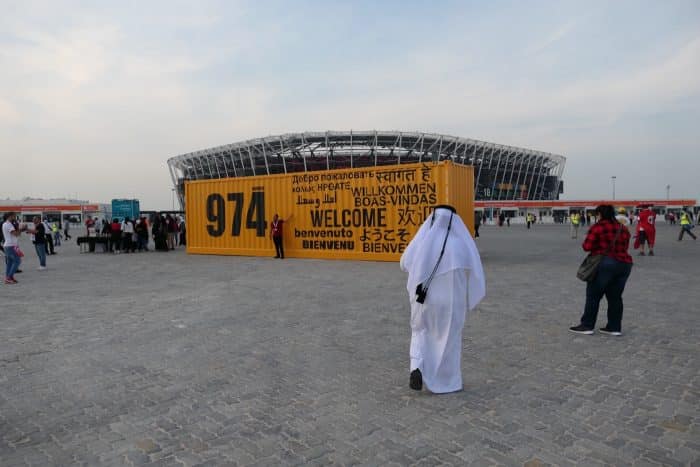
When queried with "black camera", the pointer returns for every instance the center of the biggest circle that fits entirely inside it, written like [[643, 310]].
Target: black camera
[[421, 293]]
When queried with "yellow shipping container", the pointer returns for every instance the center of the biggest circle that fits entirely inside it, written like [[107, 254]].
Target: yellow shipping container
[[369, 213]]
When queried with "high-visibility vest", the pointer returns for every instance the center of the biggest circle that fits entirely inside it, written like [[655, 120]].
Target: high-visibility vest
[[685, 220], [574, 219]]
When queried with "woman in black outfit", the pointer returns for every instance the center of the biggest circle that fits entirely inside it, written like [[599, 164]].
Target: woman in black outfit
[[160, 233]]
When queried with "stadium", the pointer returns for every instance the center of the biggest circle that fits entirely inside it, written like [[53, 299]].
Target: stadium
[[501, 173]]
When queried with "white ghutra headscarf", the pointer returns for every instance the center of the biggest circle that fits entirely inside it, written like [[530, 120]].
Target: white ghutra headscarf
[[422, 254]]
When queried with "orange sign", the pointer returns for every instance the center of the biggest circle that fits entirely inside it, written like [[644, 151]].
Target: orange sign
[[369, 213]]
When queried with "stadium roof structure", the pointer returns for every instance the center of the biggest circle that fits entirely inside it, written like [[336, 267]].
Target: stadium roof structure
[[500, 171]]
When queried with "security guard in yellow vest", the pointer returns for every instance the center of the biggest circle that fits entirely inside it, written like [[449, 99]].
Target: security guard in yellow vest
[[56, 234], [575, 222], [686, 225]]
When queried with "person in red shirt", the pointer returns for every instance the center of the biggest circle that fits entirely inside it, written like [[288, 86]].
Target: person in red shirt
[[116, 240], [646, 230], [276, 235], [609, 238], [89, 223]]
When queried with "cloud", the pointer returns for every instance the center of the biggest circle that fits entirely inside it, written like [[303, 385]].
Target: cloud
[[108, 85], [472, 99], [9, 115], [80, 97], [77, 57], [552, 38]]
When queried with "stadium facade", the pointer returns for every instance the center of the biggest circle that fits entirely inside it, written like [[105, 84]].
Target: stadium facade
[[500, 172]]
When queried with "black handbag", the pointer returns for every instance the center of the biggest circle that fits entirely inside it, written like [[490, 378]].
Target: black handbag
[[589, 267]]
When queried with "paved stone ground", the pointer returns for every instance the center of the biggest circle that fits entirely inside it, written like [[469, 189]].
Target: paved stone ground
[[170, 359]]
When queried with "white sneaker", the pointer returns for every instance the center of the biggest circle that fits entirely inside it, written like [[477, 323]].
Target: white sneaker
[[41, 268]]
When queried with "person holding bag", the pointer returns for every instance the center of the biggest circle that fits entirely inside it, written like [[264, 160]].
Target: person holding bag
[[445, 281], [13, 255], [607, 241]]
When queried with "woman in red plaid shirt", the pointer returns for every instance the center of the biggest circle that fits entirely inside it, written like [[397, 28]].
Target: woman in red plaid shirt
[[610, 238]]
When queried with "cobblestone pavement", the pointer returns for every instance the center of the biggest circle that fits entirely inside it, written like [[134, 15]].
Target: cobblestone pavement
[[174, 359]]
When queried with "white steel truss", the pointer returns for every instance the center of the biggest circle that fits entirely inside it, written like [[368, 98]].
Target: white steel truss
[[499, 169]]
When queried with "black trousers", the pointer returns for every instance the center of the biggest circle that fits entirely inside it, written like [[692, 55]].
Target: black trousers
[[610, 281], [116, 242], [127, 243], [278, 247], [686, 230], [49, 244]]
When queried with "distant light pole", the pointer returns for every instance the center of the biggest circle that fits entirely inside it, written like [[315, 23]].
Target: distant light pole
[[613, 183], [668, 193], [173, 197]]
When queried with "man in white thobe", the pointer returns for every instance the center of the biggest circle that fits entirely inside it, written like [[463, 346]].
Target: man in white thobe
[[442, 257]]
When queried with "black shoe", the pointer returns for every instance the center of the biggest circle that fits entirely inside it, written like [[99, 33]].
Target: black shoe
[[641, 253], [18, 271], [609, 332], [651, 253], [581, 329], [416, 381]]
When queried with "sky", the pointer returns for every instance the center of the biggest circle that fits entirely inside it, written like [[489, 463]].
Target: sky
[[96, 96]]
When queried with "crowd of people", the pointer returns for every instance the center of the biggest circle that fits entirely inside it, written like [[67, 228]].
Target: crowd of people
[[644, 220], [445, 275], [44, 236], [131, 235], [121, 236]]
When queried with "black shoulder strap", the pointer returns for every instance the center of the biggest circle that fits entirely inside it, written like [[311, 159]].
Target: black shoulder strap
[[442, 252]]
